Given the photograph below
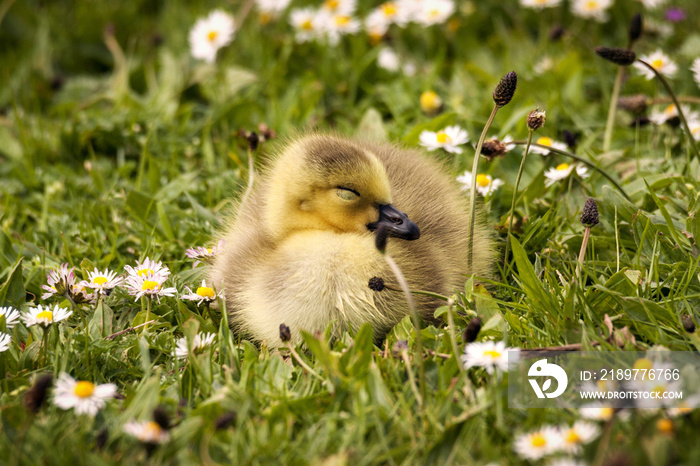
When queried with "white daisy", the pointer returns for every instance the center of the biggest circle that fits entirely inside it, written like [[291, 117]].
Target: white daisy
[[200, 342], [203, 294], [658, 386], [147, 432], [11, 316], [685, 406], [376, 26], [148, 285], [270, 9], [308, 24], [696, 71], [432, 12], [671, 112], [409, 68], [652, 3], [59, 280], [5, 341], [535, 445], [562, 171], [45, 315], [85, 397], [597, 412], [448, 139], [566, 462], [539, 4], [202, 254], [147, 267], [581, 433], [339, 25], [485, 184], [210, 34], [591, 9], [694, 126], [79, 293], [397, 12], [339, 7], [660, 62], [388, 59], [101, 281], [548, 142], [490, 355]]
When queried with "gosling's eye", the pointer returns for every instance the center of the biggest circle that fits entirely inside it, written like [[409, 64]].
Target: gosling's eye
[[347, 194]]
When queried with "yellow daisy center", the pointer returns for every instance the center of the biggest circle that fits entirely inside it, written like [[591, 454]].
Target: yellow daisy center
[[658, 63], [443, 138], [205, 292], [208, 250], [48, 315], [643, 363], [152, 429], [562, 166], [545, 141], [670, 110], [591, 5], [664, 426], [342, 20], [99, 280], [660, 389], [483, 181], [606, 413], [150, 285], [572, 437], [307, 25], [331, 4], [264, 18], [144, 272], [212, 35], [491, 353], [538, 441], [389, 9], [84, 389], [434, 13]]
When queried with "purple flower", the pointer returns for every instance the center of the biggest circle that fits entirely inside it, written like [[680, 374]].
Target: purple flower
[[675, 15]]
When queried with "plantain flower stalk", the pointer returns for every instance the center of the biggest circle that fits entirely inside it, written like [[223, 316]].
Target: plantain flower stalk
[[535, 120], [502, 95], [589, 219]]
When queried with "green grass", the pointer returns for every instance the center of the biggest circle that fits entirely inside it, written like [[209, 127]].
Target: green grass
[[109, 156]]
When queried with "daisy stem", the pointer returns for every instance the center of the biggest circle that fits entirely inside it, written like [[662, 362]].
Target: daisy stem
[[453, 333], [472, 188], [148, 313], [607, 139], [44, 344], [515, 191], [75, 309], [686, 128]]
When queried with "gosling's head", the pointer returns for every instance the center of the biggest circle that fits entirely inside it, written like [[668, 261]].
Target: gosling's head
[[328, 183]]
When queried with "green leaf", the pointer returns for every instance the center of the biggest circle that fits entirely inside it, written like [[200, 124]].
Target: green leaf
[[101, 323], [12, 292], [532, 285]]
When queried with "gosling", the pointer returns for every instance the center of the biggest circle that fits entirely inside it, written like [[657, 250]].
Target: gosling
[[301, 251]]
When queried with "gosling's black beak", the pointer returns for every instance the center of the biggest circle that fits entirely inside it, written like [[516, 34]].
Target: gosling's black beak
[[397, 223]]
